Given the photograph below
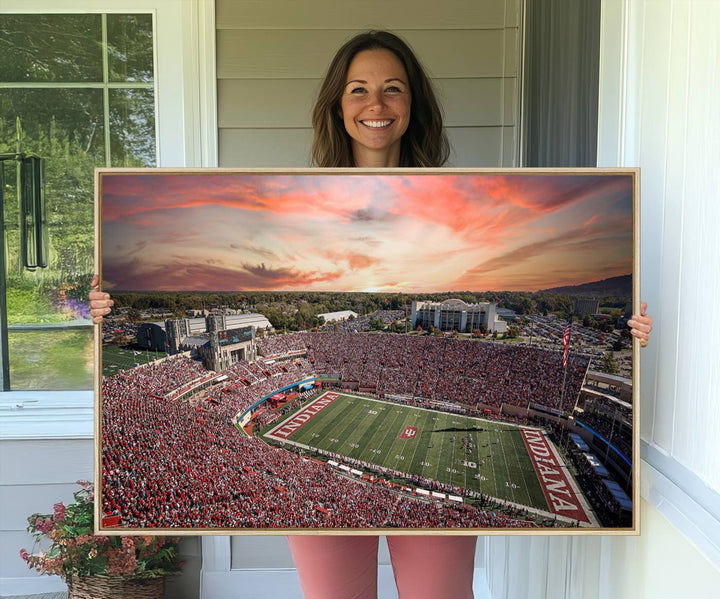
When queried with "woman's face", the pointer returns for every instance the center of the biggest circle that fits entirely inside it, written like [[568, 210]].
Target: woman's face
[[375, 107]]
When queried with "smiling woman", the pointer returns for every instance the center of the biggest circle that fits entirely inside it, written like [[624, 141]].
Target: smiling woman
[[375, 78], [349, 134], [375, 107]]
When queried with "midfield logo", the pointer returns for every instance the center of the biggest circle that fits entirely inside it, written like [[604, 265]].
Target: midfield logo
[[410, 432]]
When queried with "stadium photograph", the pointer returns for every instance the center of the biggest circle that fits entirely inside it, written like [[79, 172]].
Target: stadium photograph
[[425, 350]]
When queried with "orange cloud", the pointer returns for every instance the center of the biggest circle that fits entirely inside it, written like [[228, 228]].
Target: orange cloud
[[355, 261]]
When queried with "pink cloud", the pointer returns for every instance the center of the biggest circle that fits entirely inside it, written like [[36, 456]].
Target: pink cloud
[[576, 247], [487, 207], [125, 195]]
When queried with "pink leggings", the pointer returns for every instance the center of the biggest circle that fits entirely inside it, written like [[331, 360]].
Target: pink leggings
[[345, 567]]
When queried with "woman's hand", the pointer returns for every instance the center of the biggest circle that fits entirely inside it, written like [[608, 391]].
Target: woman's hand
[[641, 325], [100, 303]]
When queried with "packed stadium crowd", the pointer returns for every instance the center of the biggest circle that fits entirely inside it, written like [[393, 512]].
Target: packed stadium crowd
[[249, 383], [592, 477], [615, 433], [445, 369], [177, 464]]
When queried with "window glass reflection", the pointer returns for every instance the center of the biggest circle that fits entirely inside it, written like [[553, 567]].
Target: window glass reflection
[[40, 48], [130, 47]]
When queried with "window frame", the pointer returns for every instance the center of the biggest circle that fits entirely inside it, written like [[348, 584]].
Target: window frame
[[186, 135]]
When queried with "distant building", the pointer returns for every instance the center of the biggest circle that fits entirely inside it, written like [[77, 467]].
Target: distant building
[[217, 345], [182, 334], [586, 306], [506, 314], [456, 315], [336, 316], [151, 335]]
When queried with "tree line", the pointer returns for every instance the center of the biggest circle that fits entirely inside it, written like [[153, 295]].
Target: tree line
[[299, 310]]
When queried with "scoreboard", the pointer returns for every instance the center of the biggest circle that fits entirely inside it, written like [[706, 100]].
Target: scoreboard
[[232, 336]]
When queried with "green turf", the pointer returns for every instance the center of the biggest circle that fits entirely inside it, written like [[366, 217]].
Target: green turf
[[116, 358], [369, 430]]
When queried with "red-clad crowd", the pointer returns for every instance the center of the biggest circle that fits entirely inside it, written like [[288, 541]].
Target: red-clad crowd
[[174, 464], [249, 383], [446, 369]]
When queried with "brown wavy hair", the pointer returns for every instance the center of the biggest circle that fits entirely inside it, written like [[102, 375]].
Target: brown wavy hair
[[423, 144]]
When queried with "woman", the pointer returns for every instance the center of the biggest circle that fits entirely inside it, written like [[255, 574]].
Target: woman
[[376, 108]]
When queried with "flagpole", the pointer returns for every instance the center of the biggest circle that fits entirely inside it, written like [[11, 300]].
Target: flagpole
[[566, 339], [562, 390]]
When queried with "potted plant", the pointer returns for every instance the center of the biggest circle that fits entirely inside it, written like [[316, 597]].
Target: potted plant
[[97, 566]]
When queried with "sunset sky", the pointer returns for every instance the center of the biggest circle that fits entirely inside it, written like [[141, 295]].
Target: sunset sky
[[363, 232]]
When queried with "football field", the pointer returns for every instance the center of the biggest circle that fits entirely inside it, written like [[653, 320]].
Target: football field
[[481, 455], [116, 358]]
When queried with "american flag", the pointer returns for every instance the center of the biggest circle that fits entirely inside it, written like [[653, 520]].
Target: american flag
[[566, 343]]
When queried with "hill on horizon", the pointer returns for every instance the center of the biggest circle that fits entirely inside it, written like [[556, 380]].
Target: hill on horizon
[[614, 286]]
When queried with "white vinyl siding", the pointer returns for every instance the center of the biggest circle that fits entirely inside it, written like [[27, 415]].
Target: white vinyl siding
[[659, 84], [677, 144]]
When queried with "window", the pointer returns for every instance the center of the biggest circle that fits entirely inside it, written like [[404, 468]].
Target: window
[[78, 91]]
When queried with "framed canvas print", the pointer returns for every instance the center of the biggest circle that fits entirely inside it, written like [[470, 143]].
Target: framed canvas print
[[396, 351]]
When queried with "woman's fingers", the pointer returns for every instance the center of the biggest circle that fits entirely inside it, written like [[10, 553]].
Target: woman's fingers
[[100, 302], [641, 325]]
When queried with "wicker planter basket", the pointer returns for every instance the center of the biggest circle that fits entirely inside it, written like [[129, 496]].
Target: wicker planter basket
[[116, 587]]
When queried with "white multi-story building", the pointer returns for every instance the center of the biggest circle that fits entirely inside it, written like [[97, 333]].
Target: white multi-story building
[[457, 315], [337, 316]]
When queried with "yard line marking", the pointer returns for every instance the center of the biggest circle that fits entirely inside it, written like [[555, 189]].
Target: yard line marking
[[508, 483], [442, 439], [417, 442], [522, 472], [387, 430], [492, 464], [480, 461]]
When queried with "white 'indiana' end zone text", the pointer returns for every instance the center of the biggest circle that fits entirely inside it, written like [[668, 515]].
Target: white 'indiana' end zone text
[[287, 428], [559, 493]]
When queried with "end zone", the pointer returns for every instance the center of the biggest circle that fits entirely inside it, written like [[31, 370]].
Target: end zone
[[562, 495], [285, 430]]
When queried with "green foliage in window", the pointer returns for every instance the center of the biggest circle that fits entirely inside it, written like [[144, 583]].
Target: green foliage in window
[[40, 48], [69, 196]]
